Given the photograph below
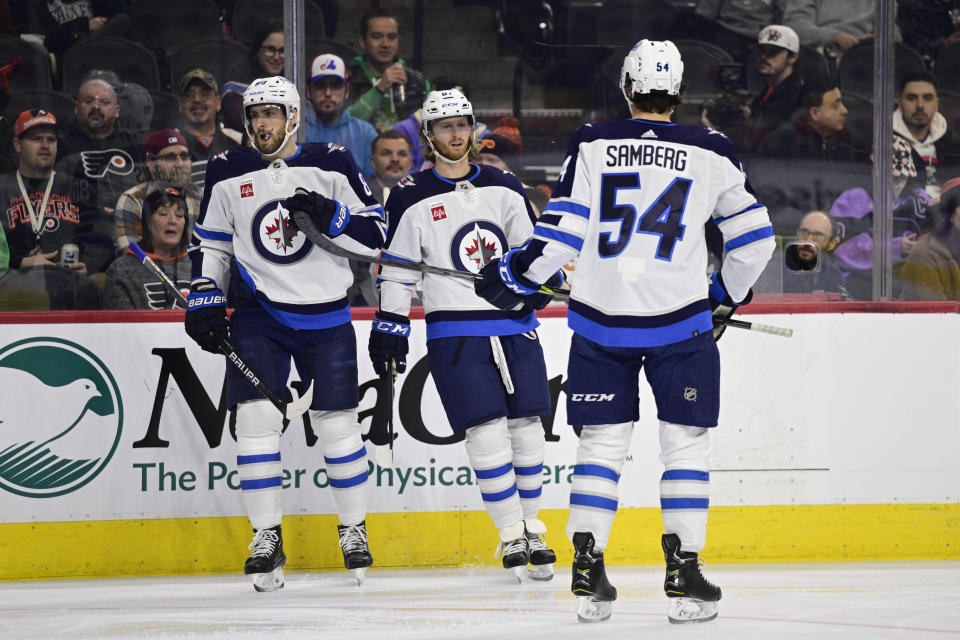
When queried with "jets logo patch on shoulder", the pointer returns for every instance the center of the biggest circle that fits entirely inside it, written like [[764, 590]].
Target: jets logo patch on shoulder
[[477, 243], [406, 181], [97, 164], [275, 237], [333, 146]]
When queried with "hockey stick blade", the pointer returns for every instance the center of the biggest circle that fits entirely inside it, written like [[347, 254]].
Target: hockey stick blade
[[761, 328], [305, 224], [384, 452], [289, 411]]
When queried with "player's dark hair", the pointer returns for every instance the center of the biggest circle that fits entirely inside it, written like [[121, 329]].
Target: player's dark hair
[[389, 134], [372, 14], [813, 97], [917, 76], [656, 101]]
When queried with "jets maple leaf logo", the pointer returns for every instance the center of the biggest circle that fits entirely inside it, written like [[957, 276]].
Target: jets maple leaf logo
[[281, 231], [482, 253]]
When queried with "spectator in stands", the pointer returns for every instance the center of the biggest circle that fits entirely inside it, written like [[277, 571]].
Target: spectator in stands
[[64, 22], [831, 25], [779, 50], [104, 158], [4, 254], [817, 132], [502, 146], [928, 26], [804, 273], [199, 107], [936, 150], [733, 24], [8, 161], [932, 270], [41, 212], [329, 121], [391, 159], [129, 284], [265, 58], [168, 164], [384, 89]]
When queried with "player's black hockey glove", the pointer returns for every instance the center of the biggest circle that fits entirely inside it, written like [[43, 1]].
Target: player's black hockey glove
[[721, 304], [388, 341], [330, 217], [501, 286], [206, 320], [540, 299]]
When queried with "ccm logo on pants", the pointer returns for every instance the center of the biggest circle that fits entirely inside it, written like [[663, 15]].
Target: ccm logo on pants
[[592, 397]]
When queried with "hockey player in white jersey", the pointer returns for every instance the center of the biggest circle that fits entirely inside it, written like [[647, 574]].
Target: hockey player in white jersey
[[487, 364], [291, 302], [631, 201]]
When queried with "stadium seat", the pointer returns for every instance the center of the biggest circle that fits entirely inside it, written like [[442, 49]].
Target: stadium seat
[[211, 54], [950, 109], [166, 110], [624, 22], [250, 15], [701, 68], [57, 103], [811, 66], [859, 124], [855, 69], [36, 70], [316, 46], [169, 24], [131, 61], [948, 68]]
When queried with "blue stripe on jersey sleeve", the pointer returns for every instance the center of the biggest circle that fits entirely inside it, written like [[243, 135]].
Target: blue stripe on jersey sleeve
[[748, 238], [212, 235], [562, 237], [566, 206], [384, 254], [755, 205]]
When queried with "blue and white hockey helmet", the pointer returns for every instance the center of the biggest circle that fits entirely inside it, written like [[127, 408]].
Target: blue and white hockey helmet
[[652, 65], [445, 104], [274, 90]]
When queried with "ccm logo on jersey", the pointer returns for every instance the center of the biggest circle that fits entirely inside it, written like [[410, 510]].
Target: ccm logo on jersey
[[385, 326], [592, 397], [438, 212], [246, 190]]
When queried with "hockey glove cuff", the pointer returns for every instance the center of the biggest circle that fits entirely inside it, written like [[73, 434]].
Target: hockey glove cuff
[[206, 319], [389, 339], [541, 299], [721, 304], [330, 217], [501, 286]]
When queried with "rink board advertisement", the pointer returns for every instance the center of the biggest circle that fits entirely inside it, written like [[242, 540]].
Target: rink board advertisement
[[126, 421]]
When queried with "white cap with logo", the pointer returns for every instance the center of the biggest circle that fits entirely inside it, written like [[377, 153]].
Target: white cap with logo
[[328, 64], [777, 35]]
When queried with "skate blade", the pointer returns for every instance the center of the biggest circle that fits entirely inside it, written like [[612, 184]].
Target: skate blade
[[590, 610], [520, 573], [360, 575], [542, 572], [271, 581], [684, 610]]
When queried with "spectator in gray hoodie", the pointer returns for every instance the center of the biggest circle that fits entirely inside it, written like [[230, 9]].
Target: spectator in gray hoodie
[[130, 285]]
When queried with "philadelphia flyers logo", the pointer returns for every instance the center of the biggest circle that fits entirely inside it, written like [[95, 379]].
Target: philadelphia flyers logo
[[97, 164]]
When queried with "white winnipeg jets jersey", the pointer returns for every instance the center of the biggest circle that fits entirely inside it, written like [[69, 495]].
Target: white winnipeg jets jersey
[[632, 200], [244, 229], [455, 225]]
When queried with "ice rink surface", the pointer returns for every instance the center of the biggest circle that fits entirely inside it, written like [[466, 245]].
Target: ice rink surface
[[914, 600]]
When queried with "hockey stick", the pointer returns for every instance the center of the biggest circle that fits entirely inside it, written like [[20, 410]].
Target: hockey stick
[[754, 326], [384, 453], [289, 410]]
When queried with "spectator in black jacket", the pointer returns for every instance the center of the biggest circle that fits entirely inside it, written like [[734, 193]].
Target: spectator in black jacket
[[64, 22], [928, 26], [779, 49]]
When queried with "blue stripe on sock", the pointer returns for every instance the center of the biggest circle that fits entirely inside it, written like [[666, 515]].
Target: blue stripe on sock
[[684, 503], [496, 472], [529, 471], [685, 474], [356, 455], [259, 457], [261, 483], [584, 500], [596, 470], [527, 494], [346, 483], [500, 495]]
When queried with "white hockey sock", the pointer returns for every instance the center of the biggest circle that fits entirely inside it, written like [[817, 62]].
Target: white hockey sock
[[526, 440], [345, 457], [685, 483], [594, 491], [488, 446], [258, 462]]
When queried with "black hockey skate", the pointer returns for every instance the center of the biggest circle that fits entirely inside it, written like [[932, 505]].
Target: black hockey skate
[[542, 557], [265, 564], [515, 554], [693, 597], [595, 594], [356, 553]]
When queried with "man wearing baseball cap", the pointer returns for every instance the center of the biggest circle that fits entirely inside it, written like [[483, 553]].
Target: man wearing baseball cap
[[168, 164], [329, 121], [199, 108], [779, 49], [42, 213]]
